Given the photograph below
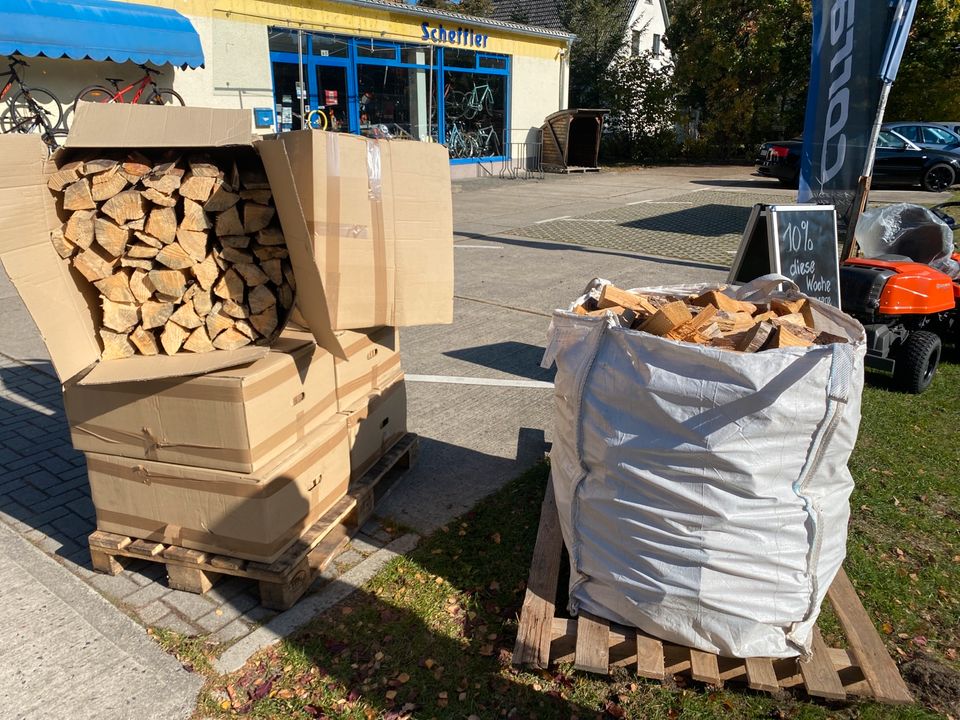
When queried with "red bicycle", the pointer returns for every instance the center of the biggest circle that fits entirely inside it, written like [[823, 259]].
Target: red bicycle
[[156, 96]]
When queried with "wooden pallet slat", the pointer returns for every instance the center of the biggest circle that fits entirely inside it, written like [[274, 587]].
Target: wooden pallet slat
[[283, 581], [593, 644], [761, 675], [704, 667], [649, 657], [536, 614], [872, 657], [819, 675]]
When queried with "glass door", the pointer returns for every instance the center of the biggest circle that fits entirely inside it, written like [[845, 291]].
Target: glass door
[[288, 61], [329, 96]]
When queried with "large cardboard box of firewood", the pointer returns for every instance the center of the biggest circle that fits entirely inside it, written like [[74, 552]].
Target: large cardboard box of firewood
[[238, 419], [165, 242], [255, 516], [375, 423]]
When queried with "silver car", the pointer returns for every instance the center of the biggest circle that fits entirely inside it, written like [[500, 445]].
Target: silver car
[[928, 135]]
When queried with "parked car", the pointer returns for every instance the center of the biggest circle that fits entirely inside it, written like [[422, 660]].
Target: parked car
[[897, 162], [951, 125], [928, 135]]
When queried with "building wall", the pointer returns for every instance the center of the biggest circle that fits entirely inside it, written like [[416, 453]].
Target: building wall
[[648, 18]]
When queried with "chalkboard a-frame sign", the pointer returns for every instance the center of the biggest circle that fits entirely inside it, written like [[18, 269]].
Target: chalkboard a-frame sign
[[798, 241]]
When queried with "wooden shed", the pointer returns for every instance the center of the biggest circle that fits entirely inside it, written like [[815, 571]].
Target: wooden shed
[[571, 140]]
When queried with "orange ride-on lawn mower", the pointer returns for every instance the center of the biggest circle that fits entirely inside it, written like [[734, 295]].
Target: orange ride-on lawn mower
[[907, 307]]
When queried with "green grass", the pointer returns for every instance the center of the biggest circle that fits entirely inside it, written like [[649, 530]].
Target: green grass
[[430, 636]]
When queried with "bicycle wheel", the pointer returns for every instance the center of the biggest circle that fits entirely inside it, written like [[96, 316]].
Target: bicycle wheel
[[317, 119], [165, 96], [38, 102], [94, 94], [469, 111]]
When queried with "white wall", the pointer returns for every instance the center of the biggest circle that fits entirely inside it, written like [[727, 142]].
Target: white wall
[[647, 17], [236, 72]]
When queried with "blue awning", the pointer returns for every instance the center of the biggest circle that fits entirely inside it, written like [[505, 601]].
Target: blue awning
[[98, 30]]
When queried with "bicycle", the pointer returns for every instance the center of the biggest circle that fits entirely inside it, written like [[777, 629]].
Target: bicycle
[[461, 144], [157, 96], [488, 143], [27, 109], [479, 99]]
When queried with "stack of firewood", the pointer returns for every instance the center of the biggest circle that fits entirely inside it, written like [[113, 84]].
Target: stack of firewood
[[712, 318], [186, 253]]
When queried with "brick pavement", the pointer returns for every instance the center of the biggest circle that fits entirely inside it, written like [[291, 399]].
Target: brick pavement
[[703, 226], [45, 497]]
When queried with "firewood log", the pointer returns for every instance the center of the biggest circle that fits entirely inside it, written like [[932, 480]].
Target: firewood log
[[119, 317], [115, 345], [92, 266], [138, 286], [199, 341], [186, 316], [64, 247], [206, 272], [66, 174], [194, 218], [197, 187], [260, 298], [228, 223], [266, 321], [116, 288], [230, 339], [162, 224], [256, 217], [77, 196], [80, 228], [128, 205], [111, 237], [175, 257], [145, 341], [108, 184], [155, 314], [173, 337]]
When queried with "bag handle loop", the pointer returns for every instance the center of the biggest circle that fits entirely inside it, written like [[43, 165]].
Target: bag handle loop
[[762, 286]]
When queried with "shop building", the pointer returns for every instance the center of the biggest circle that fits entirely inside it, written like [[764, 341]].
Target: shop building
[[480, 86]]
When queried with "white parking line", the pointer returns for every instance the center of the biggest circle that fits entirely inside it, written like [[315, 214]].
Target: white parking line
[[453, 380], [480, 247], [661, 202], [559, 217]]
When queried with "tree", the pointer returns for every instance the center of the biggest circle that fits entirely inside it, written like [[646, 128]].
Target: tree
[[437, 4], [479, 8], [640, 96], [928, 84], [600, 29], [744, 66]]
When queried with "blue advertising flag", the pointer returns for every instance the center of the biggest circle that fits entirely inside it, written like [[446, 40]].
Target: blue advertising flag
[[849, 47]]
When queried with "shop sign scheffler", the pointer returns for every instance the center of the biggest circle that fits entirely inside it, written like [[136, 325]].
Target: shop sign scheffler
[[460, 36]]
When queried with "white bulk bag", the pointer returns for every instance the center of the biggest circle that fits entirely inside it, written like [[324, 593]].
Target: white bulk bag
[[703, 493]]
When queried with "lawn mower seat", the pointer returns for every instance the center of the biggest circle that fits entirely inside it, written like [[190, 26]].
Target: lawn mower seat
[[904, 231]]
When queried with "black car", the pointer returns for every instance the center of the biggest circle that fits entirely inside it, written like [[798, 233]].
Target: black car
[[897, 162]]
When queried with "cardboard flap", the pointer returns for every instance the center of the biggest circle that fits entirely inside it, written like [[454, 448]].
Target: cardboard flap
[[126, 125], [42, 278], [155, 367], [311, 296]]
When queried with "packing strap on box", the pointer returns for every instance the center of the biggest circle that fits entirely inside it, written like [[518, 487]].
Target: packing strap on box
[[373, 377], [244, 489], [151, 443]]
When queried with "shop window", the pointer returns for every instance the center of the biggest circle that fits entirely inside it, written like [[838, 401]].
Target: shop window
[[282, 40], [459, 58], [329, 46], [492, 62], [375, 50], [395, 101], [418, 55], [475, 110]]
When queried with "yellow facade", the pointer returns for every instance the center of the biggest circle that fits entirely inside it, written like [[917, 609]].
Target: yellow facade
[[347, 19]]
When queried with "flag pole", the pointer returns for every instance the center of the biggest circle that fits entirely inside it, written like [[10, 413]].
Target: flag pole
[[899, 30], [863, 187]]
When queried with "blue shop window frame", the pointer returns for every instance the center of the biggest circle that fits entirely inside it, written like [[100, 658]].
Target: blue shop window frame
[[442, 69], [353, 59]]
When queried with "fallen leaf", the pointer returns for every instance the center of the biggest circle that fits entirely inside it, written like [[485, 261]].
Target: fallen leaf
[[615, 711], [496, 538], [439, 580], [887, 628], [403, 678], [391, 694], [486, 650], [442, 694], [224, 704]]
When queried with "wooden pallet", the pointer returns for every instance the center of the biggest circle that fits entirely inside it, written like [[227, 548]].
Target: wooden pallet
[[593, 644], [283, 581]]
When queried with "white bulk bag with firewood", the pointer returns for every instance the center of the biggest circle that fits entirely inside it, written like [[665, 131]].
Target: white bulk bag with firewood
[[703, 492]]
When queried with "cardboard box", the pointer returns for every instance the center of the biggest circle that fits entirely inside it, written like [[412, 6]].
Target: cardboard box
[[253, 516], [393, 266], [375, 424], [373, 362], [237, 419], [380, 223]]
